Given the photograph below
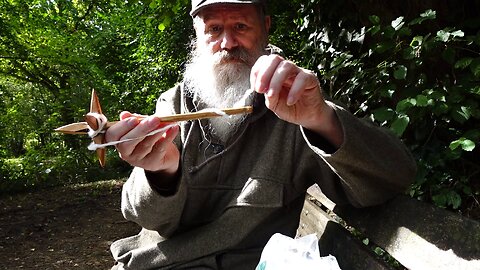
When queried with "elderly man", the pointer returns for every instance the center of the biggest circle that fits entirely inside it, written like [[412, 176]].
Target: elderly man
[[210, 193]]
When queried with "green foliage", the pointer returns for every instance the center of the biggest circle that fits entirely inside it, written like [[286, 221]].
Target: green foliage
[[52, 53], [418, 77], [412, 69]]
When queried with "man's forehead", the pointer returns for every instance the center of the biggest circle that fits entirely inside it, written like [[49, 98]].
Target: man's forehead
[[231, 10]]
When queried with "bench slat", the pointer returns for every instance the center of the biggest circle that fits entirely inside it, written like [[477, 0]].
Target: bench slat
[[334, 239], [419, 235]]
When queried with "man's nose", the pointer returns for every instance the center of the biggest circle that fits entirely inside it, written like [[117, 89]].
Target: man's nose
[[228, 40]]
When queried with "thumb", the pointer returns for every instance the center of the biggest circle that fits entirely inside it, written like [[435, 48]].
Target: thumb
[[125, 115]]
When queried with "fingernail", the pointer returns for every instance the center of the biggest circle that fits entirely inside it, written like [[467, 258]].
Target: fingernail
[[290, 101], [270, 92], [132, 121]]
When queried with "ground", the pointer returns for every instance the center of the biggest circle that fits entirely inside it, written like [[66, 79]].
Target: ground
[[62, 228]]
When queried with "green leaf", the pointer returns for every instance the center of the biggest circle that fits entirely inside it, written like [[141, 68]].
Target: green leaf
[[153, 4], [374, 19], [404, 32], [400, 124], [416, 41], [461, 114], [374, 29], [161, 27], [458, 33], [466, 144], [443, 35], [405, 104], [408, 53], [440, 200], [422, 101], [383, 114], [400, 72], [398, 23], [475, 90], [463, 63], [384, 46], [475, 67], [366, 241], [454, 199], [427, 15]]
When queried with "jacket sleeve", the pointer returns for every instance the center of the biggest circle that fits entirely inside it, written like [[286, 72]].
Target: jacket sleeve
[[142, 203], [372, 165]]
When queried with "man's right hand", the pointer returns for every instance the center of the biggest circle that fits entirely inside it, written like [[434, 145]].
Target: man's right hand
[[155, 153]]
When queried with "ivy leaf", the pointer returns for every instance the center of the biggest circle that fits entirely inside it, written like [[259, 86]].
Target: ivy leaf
[[408, 53], [405, 104], [475, 67], [440, 199], [398, 23], [475, 90], [466, 144], [458, 33], [427, 15], [454, 199], [416, 41], [463, 63], [422, 101], [461, 114], [443, 35], [374, 19], [400, 124], [400, 72], [383, 114]]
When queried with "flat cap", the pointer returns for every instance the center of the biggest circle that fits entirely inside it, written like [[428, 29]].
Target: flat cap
[[198, 4]]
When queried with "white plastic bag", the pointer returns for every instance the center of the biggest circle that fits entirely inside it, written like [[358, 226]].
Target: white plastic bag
[[285, 253]]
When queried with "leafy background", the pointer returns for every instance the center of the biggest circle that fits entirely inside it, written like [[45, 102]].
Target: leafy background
[[411, 66]]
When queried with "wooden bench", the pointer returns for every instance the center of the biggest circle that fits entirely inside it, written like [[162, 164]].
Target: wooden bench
[[401, 234]]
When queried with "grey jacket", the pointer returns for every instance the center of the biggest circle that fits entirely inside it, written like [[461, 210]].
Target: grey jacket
[[232, 197]]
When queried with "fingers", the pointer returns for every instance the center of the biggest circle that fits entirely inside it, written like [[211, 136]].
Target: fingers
[[127, 123], [304, 82], [124, 115], [130, 127], [272, 75], [138, 149], [260, 76]]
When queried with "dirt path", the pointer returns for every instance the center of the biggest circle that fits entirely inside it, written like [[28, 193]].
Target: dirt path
[[62, 228]]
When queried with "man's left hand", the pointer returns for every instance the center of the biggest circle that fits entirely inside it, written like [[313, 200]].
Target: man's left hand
[[294, 95]]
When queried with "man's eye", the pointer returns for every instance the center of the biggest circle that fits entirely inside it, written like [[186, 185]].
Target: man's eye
[[241, 27], [215, 29]]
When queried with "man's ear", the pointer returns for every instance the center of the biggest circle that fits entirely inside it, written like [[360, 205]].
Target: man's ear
[[268, 22]]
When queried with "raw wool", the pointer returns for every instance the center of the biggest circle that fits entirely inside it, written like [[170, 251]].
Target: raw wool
[[94, 146], [102, 121]]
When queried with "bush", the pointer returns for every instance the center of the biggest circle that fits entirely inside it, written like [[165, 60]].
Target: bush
[[415, 77]]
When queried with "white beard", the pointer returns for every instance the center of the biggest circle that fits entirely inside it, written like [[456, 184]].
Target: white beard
[[218, 81]]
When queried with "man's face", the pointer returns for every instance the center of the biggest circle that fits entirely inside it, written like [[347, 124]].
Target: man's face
[[227, 27], [230, 38]]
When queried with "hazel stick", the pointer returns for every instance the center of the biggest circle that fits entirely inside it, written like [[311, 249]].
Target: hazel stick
[[194, 116]]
